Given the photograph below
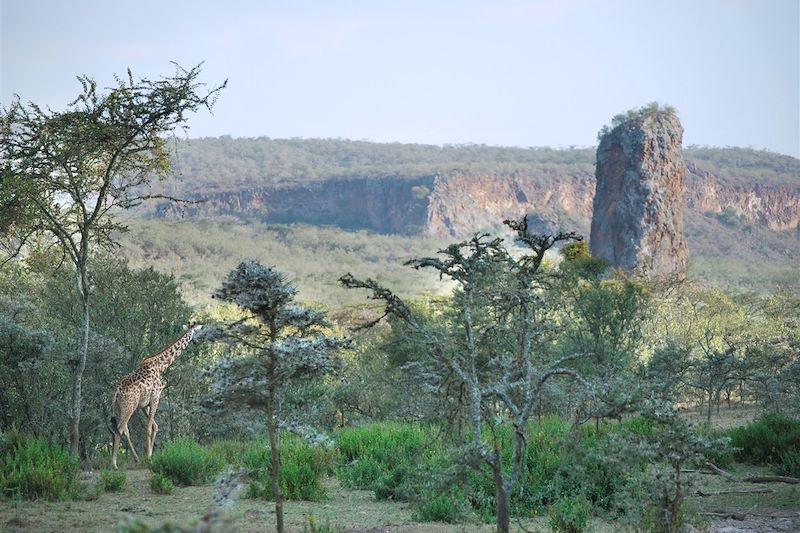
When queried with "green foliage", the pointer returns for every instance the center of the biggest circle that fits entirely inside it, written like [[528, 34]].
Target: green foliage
[[788, 463], [229, 450], [569, 514], [33, 467], [772, 439], [113, 480], [578, 260], [207, 164], [302, 468], [161, 484], [639, 113], [138, 313], [313, 527], [638, 426], [374, 452], [451, 506], [186, 462]]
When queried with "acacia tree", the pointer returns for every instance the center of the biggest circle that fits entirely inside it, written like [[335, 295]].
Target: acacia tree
[[68, 171], [494, 343], [606, 317], [282, 341]]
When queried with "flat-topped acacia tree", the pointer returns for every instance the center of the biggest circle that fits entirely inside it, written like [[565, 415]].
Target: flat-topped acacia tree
[[64, 174]]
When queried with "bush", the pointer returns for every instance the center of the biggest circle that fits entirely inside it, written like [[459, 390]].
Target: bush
[[772, 439], [113, 480], [371, 453], [789, 464], [33, 468], [228, 450], [161, 484], [720, 453], [569, 515], [185, 462], [302, 469], [452, 507]]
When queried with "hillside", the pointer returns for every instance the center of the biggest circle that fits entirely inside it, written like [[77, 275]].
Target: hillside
[[742, 205]]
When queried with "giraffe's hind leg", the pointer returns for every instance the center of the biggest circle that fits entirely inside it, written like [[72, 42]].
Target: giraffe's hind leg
[[126, 410], [130, 444], [115, 449]]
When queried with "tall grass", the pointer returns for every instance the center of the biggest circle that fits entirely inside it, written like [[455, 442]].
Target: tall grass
[[372, 452], [302, 469], [771, 439], [33, 468], [185, 462]]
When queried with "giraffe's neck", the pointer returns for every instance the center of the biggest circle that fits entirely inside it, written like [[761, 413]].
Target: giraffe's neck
[[163, 360]]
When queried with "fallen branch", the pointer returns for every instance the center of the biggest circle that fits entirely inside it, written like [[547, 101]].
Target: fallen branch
[[717, 470], [718, 493], [771, 479], [752, 479], [692, 471], [742, 515], [723, 515]]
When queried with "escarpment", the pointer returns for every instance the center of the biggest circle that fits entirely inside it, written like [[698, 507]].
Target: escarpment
[[460, 190]]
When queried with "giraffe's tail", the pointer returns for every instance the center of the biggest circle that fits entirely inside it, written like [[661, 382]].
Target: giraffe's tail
[[113, 427]]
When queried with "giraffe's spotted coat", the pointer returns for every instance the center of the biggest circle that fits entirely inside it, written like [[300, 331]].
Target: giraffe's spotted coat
[[141, 389]]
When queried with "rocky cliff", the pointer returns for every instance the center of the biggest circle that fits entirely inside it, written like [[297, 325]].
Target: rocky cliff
[[453, 191], [637, 222]]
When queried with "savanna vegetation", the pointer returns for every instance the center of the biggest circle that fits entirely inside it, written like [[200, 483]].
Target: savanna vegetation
[[499, 384]]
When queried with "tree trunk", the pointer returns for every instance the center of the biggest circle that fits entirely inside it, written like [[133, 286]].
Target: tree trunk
[[503, 518], [276, 463], [79, 364]]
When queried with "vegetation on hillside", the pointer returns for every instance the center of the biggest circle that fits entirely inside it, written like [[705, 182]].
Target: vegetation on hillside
[[233, 164]]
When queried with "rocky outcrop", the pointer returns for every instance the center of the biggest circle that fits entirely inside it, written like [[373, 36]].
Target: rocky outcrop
[[637, 222]]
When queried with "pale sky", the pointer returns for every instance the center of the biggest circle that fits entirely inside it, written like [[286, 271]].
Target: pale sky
[[499, 72]]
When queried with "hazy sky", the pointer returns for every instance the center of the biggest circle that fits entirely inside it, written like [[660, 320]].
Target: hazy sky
[[523, 73]]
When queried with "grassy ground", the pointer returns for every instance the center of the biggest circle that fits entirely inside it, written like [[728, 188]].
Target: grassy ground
[[344, 510], [357, 511]]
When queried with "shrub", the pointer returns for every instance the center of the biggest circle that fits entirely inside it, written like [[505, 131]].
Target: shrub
[[161, 484], [33, 468], [451, 506], [113, 480], [569, 515], [720, 453], [371, 453], [302, 469], [789, 464], [185, 462], [639, 426], [771, 439], [313, 527], [228, 450]]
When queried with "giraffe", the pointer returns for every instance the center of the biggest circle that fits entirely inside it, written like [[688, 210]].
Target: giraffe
[[142, 389]]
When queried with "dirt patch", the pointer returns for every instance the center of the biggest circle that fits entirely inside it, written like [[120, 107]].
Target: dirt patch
[[744, 522]]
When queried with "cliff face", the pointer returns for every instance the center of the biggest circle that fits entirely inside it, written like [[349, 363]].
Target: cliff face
[[457, 205], [637, 223], [776, 207], [725, 190]]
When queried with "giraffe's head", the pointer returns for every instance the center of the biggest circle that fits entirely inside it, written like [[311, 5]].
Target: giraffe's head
[[193, 329]]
